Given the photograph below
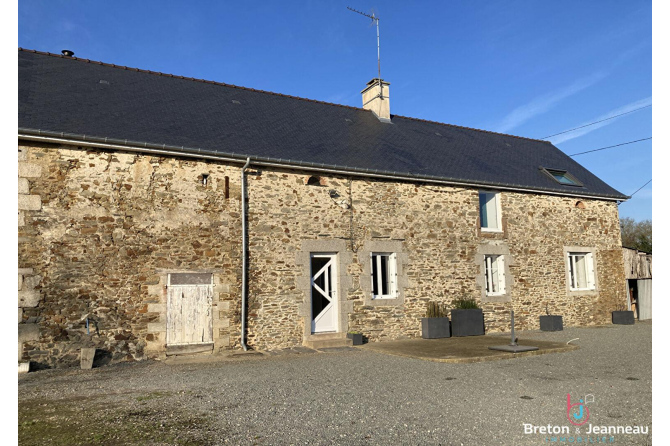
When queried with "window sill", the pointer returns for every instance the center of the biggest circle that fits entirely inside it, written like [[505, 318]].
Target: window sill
[[381, 302], [586, 292], [492, 298], [494, 230]]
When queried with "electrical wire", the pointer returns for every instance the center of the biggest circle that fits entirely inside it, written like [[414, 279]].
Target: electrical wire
[[609, 147], [596, 122], [631, 195]]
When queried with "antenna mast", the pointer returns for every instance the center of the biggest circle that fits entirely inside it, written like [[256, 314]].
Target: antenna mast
[[376, 20]]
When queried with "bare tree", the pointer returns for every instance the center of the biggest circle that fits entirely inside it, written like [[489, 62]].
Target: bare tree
[[636, 234]]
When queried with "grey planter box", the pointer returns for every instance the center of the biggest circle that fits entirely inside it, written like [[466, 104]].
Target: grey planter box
[[435, 327], [623, 317], [551, 323], [467, 322], [357, 338]]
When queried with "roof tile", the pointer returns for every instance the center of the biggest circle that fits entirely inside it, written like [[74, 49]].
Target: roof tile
[[64, 94]]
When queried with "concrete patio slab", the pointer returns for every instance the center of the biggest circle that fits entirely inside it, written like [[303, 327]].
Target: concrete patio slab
[[464, 349]]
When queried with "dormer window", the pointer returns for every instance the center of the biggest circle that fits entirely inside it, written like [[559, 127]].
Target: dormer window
[[562, 176]]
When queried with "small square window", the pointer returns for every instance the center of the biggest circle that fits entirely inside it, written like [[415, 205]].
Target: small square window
[[495, 275], [581, 271], [489, 210], [384, 275]]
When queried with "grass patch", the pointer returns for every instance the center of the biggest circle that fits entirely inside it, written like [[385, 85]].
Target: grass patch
[[96, 422]]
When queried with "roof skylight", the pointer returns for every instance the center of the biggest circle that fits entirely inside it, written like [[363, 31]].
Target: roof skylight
[[562, 177]]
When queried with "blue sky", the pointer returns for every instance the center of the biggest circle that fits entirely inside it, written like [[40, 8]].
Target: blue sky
[[526, 68]]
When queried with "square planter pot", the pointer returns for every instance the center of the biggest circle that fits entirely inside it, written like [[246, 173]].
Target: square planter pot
[[467, 322], [623, 317], [357, 338], [551, 323], [435, 327]]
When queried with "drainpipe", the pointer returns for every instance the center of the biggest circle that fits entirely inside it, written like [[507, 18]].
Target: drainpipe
[[244, 257]]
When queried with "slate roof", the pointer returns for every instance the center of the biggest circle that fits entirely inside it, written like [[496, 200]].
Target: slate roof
[[80, 99]]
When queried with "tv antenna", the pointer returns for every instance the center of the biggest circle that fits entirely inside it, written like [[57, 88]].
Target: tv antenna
[[376, 21]]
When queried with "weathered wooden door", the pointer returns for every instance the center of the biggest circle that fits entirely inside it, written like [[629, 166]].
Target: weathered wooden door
[[644, 299], [189, 309]]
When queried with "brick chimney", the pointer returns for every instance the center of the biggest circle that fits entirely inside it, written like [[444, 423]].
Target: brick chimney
[[376, 98]]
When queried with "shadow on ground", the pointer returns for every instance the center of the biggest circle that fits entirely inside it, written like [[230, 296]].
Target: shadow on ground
[[464, 349]]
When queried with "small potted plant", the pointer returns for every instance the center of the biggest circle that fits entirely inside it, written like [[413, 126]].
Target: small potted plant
[[436, 323], [467, 319], [623, 317], [551, 322], [356, 337]]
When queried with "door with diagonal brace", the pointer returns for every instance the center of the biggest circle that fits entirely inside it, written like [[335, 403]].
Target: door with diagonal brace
[[324, 293]]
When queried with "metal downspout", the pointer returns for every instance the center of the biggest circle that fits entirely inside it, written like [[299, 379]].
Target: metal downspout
[[244, 257]]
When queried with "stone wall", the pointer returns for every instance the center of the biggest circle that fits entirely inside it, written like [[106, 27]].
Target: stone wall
[[98, 233], [103, 229], [442, 251]]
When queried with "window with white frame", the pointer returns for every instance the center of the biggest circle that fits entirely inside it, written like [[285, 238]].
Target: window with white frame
[[581, 271], [384, 275], [495, 275], [489, 210]]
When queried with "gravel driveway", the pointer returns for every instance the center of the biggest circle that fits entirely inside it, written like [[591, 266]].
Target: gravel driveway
[[350, 397]]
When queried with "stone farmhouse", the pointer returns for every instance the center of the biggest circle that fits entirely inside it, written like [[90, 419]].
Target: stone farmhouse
[[162, 215]]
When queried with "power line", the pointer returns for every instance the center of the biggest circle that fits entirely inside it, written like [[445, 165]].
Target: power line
[[609, 147], [602, 120], [631, 195]]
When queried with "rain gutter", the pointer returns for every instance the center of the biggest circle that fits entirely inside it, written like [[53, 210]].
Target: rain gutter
[[164, 149]]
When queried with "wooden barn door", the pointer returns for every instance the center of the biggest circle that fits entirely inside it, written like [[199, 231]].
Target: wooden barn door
[[189, 309], [644, 299]]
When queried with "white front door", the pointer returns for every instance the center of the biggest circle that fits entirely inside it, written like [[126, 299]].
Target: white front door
[[324, 293]]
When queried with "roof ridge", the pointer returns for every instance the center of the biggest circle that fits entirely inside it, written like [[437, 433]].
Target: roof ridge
[[158, 73]]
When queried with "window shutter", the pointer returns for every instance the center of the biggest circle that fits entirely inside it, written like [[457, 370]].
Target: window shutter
[[570, 272], [501, 272], [394, 275], [372, 275], [378, 266], [591, 271], [489, 275], [492, 210]]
